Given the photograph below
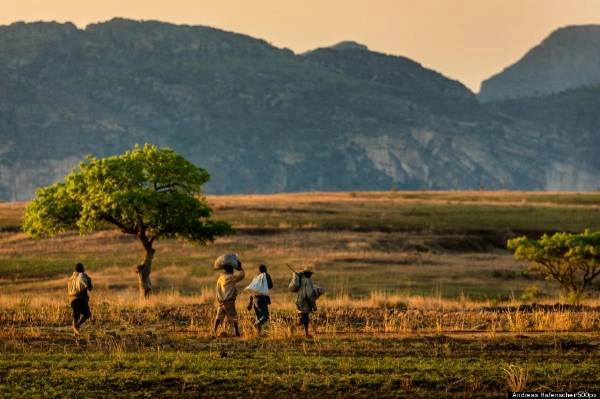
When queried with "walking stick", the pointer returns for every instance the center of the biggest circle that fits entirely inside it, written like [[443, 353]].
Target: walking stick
[[289, 267]]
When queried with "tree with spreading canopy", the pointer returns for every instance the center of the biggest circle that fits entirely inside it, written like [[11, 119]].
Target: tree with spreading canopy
[[573, 260], [150, 192]]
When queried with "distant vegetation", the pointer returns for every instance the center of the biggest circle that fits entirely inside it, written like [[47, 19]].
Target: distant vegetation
[[573, 260]]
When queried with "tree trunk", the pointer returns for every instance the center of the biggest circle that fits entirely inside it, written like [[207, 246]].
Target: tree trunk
[[144, 269]]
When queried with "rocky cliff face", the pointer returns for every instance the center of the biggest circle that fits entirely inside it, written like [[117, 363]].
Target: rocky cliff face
[[571, 119], [259, 118], [568, 58]]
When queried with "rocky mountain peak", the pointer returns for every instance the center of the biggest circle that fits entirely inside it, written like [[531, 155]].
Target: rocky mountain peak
[[349, 45], [568, 58]]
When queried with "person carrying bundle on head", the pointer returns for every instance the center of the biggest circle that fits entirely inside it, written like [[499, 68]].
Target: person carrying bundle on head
[[78, 286], [259, 297], [307, 294], [227, 291]]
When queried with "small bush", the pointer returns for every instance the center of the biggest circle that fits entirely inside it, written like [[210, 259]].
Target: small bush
[[532, 293]]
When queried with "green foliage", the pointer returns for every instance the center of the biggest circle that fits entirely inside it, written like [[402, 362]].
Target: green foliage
[[52, 211], [150, 192], [573, 260]]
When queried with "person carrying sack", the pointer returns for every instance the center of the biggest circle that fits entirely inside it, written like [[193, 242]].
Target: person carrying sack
[[307, 294], [259, 297], [226, 296], [78, 286]]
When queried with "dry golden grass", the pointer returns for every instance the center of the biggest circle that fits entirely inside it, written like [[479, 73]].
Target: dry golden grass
[[516, 377], [515, 198], [23, 316]]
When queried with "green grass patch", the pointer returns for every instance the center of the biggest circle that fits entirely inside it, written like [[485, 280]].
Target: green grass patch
[[328, 367]]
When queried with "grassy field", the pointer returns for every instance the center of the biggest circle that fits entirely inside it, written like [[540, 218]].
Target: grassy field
[[344, 366], [422, 299]]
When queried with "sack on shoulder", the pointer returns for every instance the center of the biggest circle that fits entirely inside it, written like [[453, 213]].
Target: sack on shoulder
[[258, 286], [76, 286], [295, 282]]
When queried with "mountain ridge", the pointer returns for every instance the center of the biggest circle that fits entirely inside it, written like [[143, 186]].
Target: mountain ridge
[[259, 118], [568, 58]]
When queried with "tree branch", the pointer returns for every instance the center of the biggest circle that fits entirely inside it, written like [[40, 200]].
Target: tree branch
[[168, 187], [595, 273], [122, 226]]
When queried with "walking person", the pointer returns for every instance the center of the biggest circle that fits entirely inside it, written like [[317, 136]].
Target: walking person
[[307, 294], [226, 296], [78, 286], [259, 297]]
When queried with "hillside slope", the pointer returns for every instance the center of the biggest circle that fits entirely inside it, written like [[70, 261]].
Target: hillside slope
[[568, 58], [259, 118], [571, 116]]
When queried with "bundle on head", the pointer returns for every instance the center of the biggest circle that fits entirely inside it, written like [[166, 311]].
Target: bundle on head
[[232, 260]]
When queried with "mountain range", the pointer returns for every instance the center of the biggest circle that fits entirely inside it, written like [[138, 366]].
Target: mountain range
[[264, 119]]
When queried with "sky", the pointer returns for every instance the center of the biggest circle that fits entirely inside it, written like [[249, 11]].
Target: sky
[[468, 40]]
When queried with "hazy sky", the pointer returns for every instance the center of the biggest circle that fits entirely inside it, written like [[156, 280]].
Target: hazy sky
[[468, 40]]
